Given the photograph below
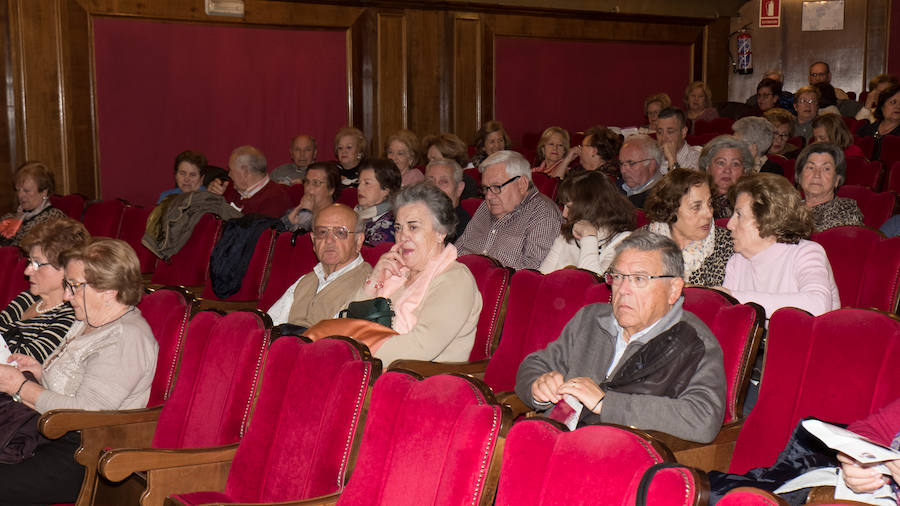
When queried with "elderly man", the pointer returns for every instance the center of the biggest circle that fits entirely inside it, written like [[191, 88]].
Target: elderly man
[[251, 191], [670, 133], [303, 153], [341, 271], [820, 72], [606, 363], [516, 224], [447, 175], [640, 158]]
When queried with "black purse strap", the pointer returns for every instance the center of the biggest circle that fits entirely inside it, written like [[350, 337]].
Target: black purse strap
[[649, 474]]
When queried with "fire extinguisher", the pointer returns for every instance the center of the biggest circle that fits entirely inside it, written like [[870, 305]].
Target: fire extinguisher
[[745, 53]]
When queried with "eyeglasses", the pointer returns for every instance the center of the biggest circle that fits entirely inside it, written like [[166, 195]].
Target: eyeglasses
[[818, 74], [315, 182], [73, 286], [35, 265], [629, 164], [613, 278], [339, 233], [807, 101], [496, 188], [783, 136]]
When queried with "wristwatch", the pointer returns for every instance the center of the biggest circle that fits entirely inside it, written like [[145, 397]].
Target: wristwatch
[[17, 397]]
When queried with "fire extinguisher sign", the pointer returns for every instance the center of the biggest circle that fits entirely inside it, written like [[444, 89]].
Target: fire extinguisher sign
[[769, 13]]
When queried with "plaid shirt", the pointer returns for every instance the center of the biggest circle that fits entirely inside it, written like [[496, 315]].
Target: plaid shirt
[[520, 239]]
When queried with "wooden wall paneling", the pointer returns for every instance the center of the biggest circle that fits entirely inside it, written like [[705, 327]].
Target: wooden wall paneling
[[391, 80], [8, 126], [468, 76], [364, 58], [77, 98], [429, 75], [717, 65], [878, 23]]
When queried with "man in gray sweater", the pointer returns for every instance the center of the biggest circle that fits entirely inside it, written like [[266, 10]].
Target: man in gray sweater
[[603, 359]]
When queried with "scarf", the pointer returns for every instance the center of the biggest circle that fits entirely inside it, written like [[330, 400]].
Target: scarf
[[695, 252], [368, 213], [10, 226], [407, 302]]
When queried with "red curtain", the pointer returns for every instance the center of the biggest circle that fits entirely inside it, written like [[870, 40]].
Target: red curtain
[[166, 87]]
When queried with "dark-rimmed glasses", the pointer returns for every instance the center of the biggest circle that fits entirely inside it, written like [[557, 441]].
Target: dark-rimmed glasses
[[73, 286], [637, 280], [496, 188]]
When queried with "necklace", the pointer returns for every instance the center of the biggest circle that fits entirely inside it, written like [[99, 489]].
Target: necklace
[[37, 307]]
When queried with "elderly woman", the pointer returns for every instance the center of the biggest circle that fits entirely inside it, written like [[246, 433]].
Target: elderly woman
[[106, 361], [806, 102], [34, 185], [379, 181], [402, 148], [597, 217], [488, 140], [553, 153], [725, 158], [830, 128], [680, 207], [599, 151], [652, 105], [350, 149], [768, 91], [820, 170], [35, 322], [775, 265], [435, 298], [447, 175], [321, 188], [887, 119], [189, 169], [698, 102], [784, 123], [758, 134], [877, 85], [453, 148]]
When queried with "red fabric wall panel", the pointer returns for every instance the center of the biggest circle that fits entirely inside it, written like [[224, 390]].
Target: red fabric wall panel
[[166, 87], [577, 84]]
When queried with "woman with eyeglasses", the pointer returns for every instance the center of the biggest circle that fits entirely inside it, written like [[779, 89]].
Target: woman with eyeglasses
[[784, 123], [806, 102], [726, 158], [106, 361], [35, 322], [34, 185], [887, 119], [379, 181], [321, 188], [599, 150]]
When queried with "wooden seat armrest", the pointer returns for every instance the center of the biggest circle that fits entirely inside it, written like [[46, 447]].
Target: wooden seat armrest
[[715, 455], [516, 405], [116, 465], [55, 423], [427, 369], [825, 495]]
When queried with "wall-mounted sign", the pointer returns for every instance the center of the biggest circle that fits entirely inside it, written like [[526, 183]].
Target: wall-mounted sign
[[769, 13], [225, 7], [823, 15]]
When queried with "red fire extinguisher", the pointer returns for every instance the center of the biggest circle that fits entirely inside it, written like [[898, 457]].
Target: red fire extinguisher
[[745, 62]]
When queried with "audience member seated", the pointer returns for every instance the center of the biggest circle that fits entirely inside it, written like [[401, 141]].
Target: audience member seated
[[402, 148], [877, 85], [784, 124], [435, 299], [599, 150], [453, 148], [887, 119], [882, 427], [820, 72], [322, 293], [726, 158], [251, 191], [107, 361], [303, 153], [670, 133], [775, 265], [768, 92], [821, 169], [321, 188], [680, 207], [553, 153], [758, 134], [379, 181], [830, 128], [516, 224], [34, 185], [350, 149], [806, 101], [597, 218], [640, 158], [490, 139], [698, 102], [784, 99], [827, 99], [36, 321], [602, 361], [652, 105], [189, 169], [447, 175]]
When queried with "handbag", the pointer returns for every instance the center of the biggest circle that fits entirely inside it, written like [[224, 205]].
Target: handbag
[[378, 310], [371, 334]]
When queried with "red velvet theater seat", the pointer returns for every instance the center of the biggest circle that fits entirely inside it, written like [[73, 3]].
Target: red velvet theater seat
[[749, 496], [545, 184], [104, 218], [840, 366], [876, 207], [471, 205], [252, 282], [371, 254], [892, 184], [348, 197], [190, 266], [71, 204], [12, 274], [134, 224], [493, 283], [289, 263], [167, 311], [861, 172], [721, 126], [299, 441], [787, 165]]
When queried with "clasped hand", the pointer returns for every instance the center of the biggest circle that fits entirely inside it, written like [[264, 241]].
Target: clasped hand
[[11, 377], [550, 387]]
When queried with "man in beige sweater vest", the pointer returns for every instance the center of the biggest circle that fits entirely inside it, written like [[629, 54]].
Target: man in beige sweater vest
[[320, 294]]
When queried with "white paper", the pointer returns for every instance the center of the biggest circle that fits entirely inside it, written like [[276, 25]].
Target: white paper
[[572, 420], [5, 353], [823, 15], [852, 444]]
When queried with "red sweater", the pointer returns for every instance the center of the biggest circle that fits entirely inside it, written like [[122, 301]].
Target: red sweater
[[271, 200]]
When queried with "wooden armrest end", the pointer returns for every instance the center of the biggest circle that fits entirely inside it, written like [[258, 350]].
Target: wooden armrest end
[[55, 423], [116, 465]]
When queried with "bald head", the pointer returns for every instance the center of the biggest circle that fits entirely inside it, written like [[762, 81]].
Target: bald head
[[246, 167], [333, 252]]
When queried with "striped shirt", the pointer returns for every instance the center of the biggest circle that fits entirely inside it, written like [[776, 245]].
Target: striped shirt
[[37, 336], [520, 239]]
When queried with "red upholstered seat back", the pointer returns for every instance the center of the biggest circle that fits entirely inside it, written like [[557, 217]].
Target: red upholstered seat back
[[839, 367], [251, 284], [290, 454], [426, 441], [493, 283], [865, 143], [849, 250], [134, 224], [747, 496], [190, 266], [861, 172], [597, 464], [167, 311], [880, 288], [890, 149], [220, 366], [289, 262], [474, 174], [641, 218], [677, 486], [876, 207], [787, 165], [371, 254], [892, 183], [471, 205], [104, 218], [545, 184], [721, 126], [295, 192], [71, 204], [12, 274], [737, 327], [348, 197], [539, 307]]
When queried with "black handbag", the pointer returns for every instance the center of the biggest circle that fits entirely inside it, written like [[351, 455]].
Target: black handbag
[[378, 310]]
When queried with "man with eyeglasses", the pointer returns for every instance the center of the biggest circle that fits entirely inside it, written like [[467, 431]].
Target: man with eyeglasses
[[608, 365], [820, 72], [640, 158], [516, 224], [302, 152], [322, 293]]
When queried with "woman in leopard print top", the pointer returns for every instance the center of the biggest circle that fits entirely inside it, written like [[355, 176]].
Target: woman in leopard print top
[[821, 168]]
